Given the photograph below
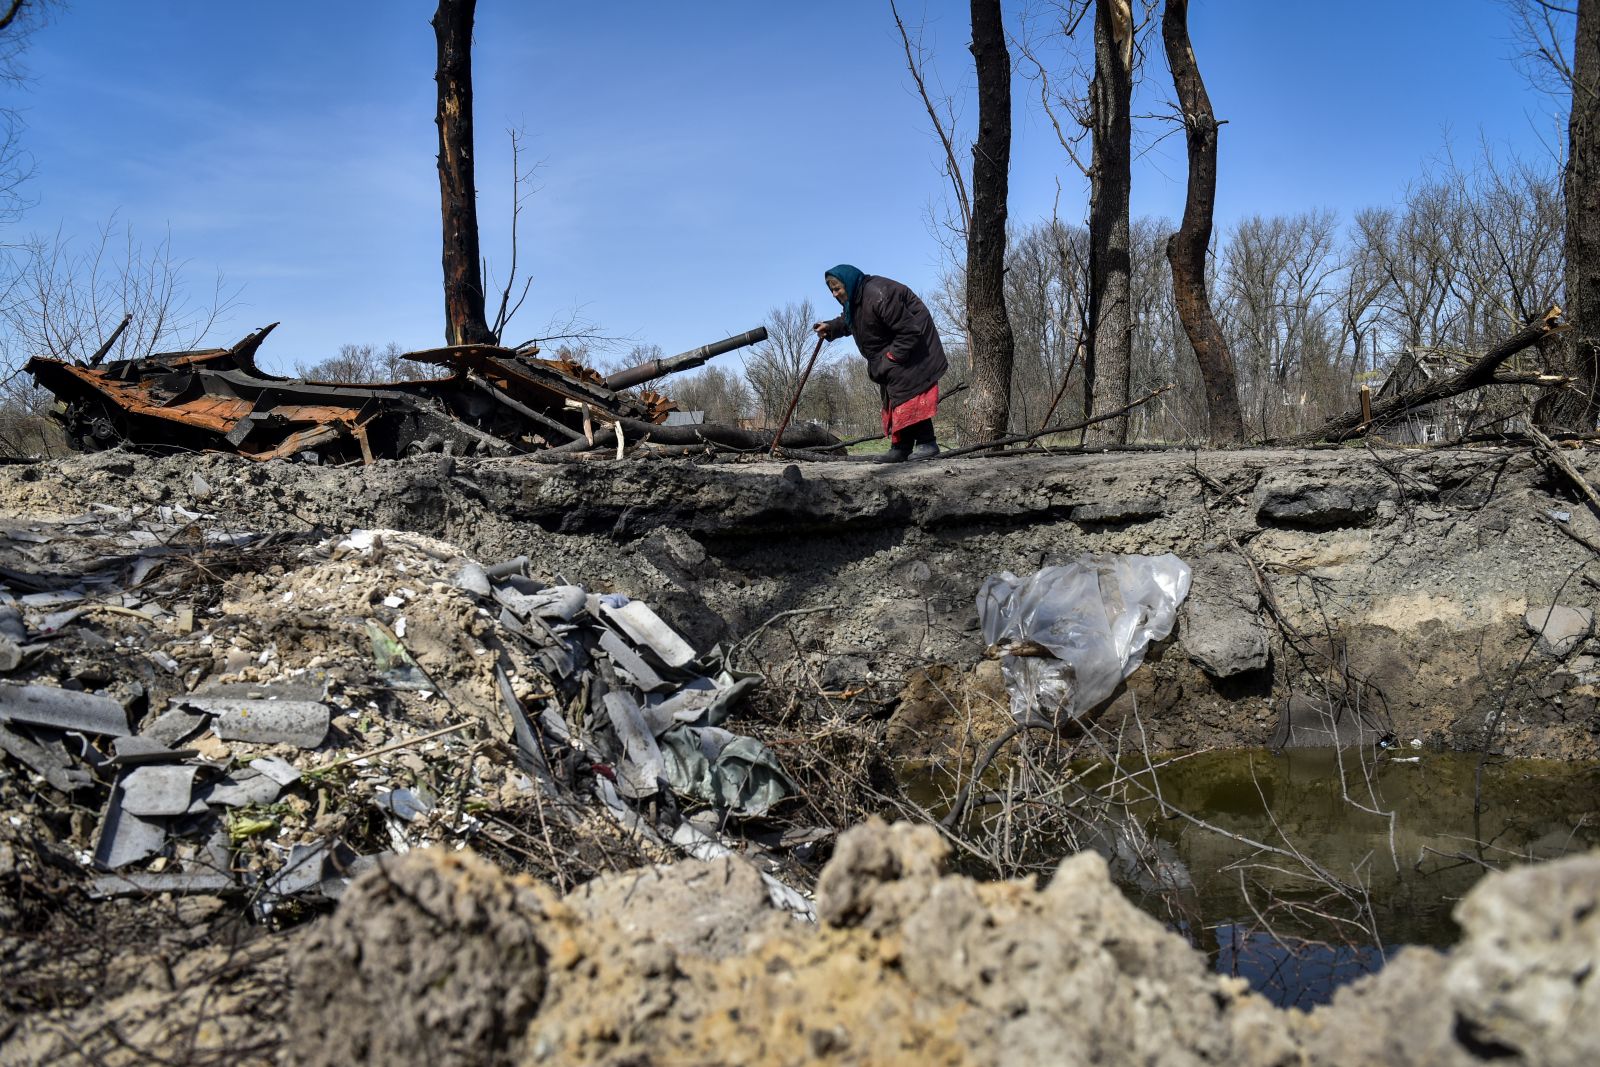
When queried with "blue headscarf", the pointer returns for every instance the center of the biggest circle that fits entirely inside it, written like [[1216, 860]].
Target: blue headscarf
[[850, 278]]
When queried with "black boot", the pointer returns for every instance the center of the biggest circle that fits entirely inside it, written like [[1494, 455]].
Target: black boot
[[924, 446], [897, 452]]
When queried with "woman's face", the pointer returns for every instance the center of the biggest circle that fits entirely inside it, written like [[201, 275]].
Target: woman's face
[[836, 287]]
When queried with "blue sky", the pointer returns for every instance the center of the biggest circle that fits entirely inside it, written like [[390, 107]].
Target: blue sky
[[701, 163]]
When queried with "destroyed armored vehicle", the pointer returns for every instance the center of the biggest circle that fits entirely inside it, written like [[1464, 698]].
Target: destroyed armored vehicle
[[492, 401]]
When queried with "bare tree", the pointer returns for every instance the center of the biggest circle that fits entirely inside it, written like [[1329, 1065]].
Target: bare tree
[[774, 366], [117, 297], [720, 393], [18, 20], [1110, 348], [465, 322], [367, 364], [67, 301], [1276, 285], [1186, 249], [1580, 356], [941, 117], [993, 346]]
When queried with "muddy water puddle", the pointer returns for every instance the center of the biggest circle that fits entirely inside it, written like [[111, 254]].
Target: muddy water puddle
[[1371, 855]]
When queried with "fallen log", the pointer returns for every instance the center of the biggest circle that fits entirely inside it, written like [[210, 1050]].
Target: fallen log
[[1022, 438], [728, 437], [1548, 449], [1354, 424]]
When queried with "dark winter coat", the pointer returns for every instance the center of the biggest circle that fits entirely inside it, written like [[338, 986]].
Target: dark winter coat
[[895, 332]]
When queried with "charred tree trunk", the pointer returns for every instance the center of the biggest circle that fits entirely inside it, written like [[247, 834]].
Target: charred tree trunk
[[993, 346], [465, 323], [1186, 249], [1109, 359], [1575, 409]]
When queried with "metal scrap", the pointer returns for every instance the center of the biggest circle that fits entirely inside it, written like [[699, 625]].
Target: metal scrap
[[492, 401]]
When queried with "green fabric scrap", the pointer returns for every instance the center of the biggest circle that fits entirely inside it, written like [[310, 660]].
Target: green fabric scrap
[[736, 773]]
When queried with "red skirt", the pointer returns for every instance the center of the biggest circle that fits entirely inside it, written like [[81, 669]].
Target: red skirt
[[920, 407]]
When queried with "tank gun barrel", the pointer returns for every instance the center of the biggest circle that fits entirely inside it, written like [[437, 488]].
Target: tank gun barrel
[[660, 368]]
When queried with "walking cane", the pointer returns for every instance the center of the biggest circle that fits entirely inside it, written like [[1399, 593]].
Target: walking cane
[[784, 425]]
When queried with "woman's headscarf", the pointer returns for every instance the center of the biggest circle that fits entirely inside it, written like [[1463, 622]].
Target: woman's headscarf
[[850, 278]]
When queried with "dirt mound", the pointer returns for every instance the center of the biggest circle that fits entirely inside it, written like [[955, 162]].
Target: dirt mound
[[437, 959], [908, 966]]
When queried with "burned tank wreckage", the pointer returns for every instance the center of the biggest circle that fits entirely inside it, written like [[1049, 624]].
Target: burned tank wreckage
[[494, 401]]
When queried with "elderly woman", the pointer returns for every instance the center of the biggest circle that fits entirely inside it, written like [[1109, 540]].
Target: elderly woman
[[895, 333]]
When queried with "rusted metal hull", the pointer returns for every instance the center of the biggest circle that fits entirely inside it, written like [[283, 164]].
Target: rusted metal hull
[[494, 401]]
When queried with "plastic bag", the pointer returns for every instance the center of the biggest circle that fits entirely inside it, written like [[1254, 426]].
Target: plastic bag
[[1095, 616]]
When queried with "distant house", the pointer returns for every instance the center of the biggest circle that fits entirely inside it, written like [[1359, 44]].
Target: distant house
[[685, 418], [1448, 419]]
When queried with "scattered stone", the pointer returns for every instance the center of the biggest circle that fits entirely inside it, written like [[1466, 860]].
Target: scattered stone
[[1312, 506], [1221, 625], [1560, 628]]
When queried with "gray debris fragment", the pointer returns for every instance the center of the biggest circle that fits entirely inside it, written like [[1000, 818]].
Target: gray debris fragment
[[305, 867], [174, 726], [530, 757], [703, 701], [562, 602], [64, 709], [630, 662], [407, 804], [515, 565], [49, 760], [242, 788], [310, 688], [142, 883], [163, 790], [473, 579], [1560, 628], [278, 769], [302, 723], [56, 598], [125, 837], [644, 627], [13, 635], [217, 855], [341, 874], [137, 749], [198, 488], [524, 606], [141, 570], [642, 766]]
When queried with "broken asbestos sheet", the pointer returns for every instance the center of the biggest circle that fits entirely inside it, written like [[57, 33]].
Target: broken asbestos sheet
[[263, 716]]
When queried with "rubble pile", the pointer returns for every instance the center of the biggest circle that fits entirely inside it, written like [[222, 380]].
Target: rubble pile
[[190, 709]]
